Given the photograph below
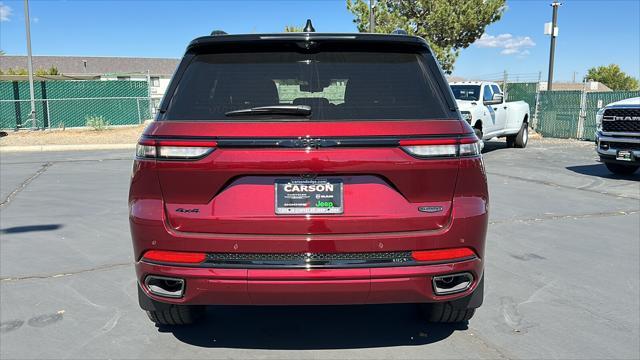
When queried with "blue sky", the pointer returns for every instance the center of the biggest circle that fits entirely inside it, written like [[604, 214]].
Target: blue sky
[[591, 33]]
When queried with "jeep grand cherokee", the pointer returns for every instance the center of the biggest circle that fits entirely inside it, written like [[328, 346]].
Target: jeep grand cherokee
[[308, 168]]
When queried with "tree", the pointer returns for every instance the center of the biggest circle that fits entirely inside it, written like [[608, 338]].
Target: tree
[[447, 25], [293, 28], [613, 77]]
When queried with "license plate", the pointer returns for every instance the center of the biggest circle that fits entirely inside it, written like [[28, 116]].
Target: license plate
[[624, 155], [308, 196]]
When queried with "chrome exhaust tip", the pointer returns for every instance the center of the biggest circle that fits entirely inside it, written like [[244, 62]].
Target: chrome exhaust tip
[[164, 286], [452, 283]]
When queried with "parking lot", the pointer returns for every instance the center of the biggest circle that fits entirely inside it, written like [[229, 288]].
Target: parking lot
[[562, 272]]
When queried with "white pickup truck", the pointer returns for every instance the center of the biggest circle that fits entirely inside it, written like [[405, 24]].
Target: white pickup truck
[[483, 106]]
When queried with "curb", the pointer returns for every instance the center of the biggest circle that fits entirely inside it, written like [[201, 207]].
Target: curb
[[47, 148]]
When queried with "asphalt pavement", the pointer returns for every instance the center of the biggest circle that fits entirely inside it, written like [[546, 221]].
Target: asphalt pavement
[[562, 272]]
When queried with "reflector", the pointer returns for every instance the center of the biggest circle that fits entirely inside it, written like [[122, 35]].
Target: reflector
[[442, 254], [174, 256]]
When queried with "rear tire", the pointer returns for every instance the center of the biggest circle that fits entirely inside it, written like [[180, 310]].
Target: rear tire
[[445, 313], [177, 315], [478, 133], [522, 138], [621, 169]]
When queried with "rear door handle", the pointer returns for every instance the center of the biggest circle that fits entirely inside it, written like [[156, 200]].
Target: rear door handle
[[505, 107]]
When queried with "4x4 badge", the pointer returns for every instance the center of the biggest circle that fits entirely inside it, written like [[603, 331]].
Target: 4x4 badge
[[430, 209], [181, 210]]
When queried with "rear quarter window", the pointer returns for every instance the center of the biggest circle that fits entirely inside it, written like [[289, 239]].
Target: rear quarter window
[[337, 85]]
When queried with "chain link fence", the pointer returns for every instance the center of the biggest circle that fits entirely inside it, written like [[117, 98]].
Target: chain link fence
[[61, 104], [74, 112], [526, 92], [558, 113], [569, 114]]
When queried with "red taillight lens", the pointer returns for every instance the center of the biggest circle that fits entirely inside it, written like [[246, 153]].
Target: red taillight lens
[[442, 254], [174, 257], [174, 149], [434, 148]]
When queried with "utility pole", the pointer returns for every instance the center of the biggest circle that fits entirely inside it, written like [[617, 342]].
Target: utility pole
[[554, 22], [504, 84], [34, 125], [150, 107], [372, 19]]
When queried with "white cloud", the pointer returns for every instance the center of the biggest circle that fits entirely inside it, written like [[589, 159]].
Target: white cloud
[[510, 45], [5, 12], [509, 51]]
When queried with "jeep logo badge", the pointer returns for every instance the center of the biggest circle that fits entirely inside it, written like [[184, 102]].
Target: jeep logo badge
[[309, 143]]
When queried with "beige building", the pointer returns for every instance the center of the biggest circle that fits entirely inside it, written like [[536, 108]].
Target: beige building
[[592, 86]]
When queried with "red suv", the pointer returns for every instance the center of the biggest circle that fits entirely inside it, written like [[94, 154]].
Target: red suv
[[308, 168]]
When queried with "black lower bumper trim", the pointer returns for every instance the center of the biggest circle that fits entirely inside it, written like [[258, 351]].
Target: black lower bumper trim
[[310, 260]]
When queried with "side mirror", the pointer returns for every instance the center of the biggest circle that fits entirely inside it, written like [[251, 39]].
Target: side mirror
[[497, 99]]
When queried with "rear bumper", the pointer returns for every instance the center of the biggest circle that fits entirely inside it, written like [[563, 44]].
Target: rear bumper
[[466, 227], [217, 286]]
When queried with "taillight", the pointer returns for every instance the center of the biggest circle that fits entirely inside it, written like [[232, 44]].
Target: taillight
[[174, 149], [177, 257], [435, 148], [443, 254]]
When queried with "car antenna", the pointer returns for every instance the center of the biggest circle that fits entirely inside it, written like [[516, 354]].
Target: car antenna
[[308, 27]]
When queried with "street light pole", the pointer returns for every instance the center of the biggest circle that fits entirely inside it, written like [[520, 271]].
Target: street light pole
[[552, 51], [30, 65], [372, 19]]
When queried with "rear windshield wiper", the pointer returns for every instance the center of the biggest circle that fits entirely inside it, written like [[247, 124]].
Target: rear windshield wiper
[[297, 110]]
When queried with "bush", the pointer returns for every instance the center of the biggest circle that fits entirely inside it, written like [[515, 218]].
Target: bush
[[17, 71], [98, 123], [50, 71]]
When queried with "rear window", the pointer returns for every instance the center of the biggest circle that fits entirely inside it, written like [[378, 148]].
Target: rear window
[[337, 85]]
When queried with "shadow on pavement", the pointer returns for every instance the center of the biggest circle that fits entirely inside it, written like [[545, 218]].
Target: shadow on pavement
[[601, 171], [493, 145], [312, 327], [30, 228]]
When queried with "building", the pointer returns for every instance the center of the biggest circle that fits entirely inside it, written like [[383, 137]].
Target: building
[[589, 86], [157, 70]]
